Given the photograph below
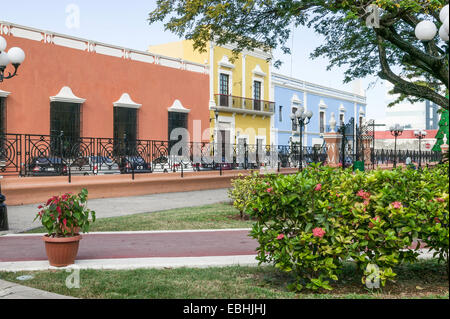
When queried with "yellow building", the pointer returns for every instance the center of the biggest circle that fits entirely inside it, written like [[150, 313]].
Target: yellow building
[[240, 102]]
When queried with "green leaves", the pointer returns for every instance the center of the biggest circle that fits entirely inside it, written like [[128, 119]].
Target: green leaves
[[63, 215], [366, 227]]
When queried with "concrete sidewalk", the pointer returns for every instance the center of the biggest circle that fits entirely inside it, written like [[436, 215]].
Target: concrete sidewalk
[[9, 290], [21, 217]]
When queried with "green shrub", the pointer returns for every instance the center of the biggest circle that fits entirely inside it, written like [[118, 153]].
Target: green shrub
[[311, 222], [241, 189]]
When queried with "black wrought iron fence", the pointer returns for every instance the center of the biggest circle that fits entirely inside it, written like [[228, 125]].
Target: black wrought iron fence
[[10, 153], [383, 157], [56, 155]]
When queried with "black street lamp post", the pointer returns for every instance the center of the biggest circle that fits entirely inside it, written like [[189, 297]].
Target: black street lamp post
[[396, 131], [420, 135], [15, 56], [303, 118]]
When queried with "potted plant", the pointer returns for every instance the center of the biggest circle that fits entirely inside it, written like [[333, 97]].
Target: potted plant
[[64, 217]]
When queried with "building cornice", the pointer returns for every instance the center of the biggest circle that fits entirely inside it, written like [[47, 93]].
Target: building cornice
[[300, 85], [48, 37]]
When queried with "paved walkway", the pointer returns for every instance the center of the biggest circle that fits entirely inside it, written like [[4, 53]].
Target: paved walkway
[[21, 217], [9, 290], [18, 250]]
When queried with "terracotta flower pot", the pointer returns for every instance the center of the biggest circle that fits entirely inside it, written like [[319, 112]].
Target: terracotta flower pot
[[61, 252]]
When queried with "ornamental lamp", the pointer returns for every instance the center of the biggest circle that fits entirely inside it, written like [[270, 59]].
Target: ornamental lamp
[[425, 30], [444, 13], [15, 56]]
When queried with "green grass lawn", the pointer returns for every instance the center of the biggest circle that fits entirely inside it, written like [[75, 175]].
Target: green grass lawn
[[216, 216], [426, 279]]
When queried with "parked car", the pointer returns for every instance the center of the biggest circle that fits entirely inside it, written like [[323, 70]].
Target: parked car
[[81, 166], [103, 165], [136, 164], [47, 166]]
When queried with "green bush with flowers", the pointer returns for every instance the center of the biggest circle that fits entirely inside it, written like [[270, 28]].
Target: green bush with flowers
[[66, 215], [240, 191], [312, 222]]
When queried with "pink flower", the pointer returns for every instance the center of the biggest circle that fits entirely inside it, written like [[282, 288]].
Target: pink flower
[[280, 237], [270, 190], [366, 202], [318, 232], [40, 207], [65, 222], [440, 200], [397, 205], [58, 209], [318, 187], [363, 194]]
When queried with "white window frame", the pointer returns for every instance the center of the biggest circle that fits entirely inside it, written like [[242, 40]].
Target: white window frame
[[230, 81]]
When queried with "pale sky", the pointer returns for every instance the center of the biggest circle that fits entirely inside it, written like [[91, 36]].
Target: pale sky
[[124, 23]]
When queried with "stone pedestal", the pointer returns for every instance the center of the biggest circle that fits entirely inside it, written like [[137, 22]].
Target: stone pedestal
[[333, 141], [367, 150]]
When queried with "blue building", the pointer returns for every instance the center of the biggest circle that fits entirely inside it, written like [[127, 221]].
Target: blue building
[[290, 94]]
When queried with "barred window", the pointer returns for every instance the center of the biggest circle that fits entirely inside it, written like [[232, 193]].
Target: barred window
[[65, 123], [125, 128]]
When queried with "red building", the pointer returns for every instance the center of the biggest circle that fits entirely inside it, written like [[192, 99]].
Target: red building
[[406, 141], [90, 89]]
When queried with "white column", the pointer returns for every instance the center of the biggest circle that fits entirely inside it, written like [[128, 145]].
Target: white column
[[244, 56], [212, 74]]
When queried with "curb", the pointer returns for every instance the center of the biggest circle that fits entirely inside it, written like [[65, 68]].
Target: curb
[[135, 263]]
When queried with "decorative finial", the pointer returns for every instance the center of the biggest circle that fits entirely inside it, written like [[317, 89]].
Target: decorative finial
[[332, 123]]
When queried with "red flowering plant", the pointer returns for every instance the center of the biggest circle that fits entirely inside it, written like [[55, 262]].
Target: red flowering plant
[[66, 215], [312, 222]]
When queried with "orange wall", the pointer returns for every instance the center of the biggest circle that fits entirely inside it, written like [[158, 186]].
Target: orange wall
[[101, 80]]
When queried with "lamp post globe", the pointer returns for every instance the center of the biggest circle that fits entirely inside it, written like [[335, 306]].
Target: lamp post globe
[[16, 55], [445, 25], [425, 30], [4, 59], [443, 33], [444, 13], [3, 44]]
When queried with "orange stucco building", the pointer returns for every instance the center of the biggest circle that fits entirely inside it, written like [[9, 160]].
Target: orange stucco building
[[98, 81]]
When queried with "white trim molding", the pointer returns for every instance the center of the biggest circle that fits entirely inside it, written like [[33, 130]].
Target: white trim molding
[[66, 95], [295, 101], [257, 71], [230, 81], [322, 105], [126, 101], [94, 47], [296, 84], [225, 63], [4, 93], [361, 111], [178, 107]]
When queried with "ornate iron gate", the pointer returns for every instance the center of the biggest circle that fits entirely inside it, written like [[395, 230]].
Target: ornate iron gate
[[358, 143]]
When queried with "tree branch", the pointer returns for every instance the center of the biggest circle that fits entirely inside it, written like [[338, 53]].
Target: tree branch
[[405, 87]]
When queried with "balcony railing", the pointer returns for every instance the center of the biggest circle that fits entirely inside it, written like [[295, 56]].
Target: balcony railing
[[242, 103]]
